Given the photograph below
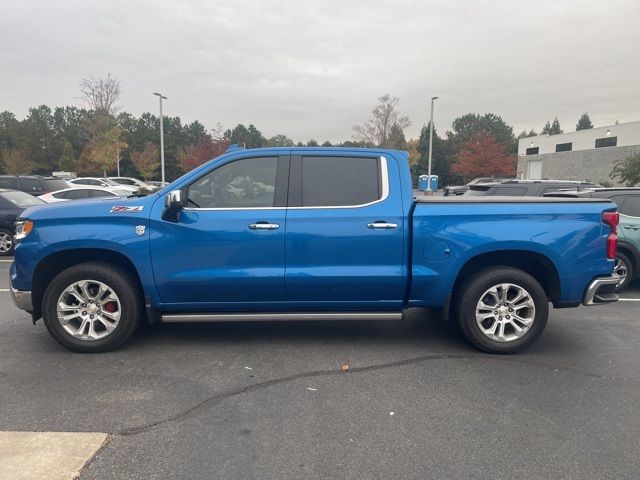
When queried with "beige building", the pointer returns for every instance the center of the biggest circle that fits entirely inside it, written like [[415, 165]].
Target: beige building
[[583, 155]]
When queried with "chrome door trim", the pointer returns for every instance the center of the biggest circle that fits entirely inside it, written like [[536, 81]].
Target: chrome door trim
[[384, 174], [276, 317]]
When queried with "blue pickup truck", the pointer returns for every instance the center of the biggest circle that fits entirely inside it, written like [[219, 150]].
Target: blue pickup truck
[[309, 234]]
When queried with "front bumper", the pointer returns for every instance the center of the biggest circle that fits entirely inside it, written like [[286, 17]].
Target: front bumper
[[22, 299], [601, 290]]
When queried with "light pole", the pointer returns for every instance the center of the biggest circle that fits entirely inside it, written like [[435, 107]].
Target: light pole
[[161, 97], [430, 143]]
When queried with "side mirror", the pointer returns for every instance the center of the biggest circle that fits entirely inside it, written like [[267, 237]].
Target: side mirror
[[175, 201]]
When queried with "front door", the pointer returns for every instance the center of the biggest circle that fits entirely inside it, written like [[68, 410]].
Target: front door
[[226, 251], [345, 234]]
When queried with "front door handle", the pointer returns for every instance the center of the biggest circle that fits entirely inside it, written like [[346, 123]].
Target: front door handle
[[382, 225], [264, 226], [630, 227]]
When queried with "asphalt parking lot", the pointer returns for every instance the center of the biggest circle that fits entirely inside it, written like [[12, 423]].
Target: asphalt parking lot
[[269, 401]]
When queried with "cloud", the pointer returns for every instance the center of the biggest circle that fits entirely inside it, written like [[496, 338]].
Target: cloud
[[312, 69]]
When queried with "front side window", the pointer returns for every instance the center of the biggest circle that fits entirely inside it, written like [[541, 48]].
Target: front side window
[[246, 183], [340, 181]]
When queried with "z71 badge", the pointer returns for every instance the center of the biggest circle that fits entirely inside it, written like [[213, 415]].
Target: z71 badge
[[126, 209]]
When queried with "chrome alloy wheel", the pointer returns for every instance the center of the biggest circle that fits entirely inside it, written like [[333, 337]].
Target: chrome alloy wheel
[[505, 312], [89, 310], [6, 242], [621, 269]]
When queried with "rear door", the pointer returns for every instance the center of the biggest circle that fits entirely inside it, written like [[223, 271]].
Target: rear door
[[345, 240]]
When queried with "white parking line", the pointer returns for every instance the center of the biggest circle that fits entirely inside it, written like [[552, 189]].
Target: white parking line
[[4, 289], [6, 261], [629, 299]]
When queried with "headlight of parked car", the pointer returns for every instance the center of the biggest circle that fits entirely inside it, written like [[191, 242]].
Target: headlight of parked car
[[23, 228]]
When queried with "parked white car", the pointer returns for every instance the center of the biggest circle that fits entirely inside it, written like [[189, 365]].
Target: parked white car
[[80, 192], [133, 182], [100, 182]]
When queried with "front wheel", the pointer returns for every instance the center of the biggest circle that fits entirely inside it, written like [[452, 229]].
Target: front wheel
[[6, 242], [92, 307], [501, 309]]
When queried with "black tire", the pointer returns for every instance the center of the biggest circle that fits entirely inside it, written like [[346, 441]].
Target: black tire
[[119, 281], [623, 261], [473, 289], [6, 234]]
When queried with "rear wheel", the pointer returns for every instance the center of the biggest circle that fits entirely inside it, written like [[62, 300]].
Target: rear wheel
[[92, 307], [624, 268], [6, 242], [501, 309]]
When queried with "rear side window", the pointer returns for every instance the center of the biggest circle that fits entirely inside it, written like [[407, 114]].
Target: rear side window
[[53, 184], [631, 206], [9, 182], [30, 185], [340, 181], [510, 191]]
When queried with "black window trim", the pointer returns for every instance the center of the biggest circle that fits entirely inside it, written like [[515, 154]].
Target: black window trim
[[295, 182], [279, 195]]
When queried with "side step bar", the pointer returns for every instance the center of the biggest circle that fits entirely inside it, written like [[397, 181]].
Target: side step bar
[[276, 317]]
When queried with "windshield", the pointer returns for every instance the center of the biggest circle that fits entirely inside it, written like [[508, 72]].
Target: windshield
[[21, 199]]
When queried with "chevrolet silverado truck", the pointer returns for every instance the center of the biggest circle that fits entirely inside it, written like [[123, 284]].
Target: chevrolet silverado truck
[[309, 234]]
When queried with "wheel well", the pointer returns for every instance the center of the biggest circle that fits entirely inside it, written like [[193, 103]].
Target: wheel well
[[535, 264], [630, 255], [55, 263]]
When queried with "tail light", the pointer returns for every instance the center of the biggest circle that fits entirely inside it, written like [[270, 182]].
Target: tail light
[[612, 219]]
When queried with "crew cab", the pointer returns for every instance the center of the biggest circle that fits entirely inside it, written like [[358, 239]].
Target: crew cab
[[310, 234]]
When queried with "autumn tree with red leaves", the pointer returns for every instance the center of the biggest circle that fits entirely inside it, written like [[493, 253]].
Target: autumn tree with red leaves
[[208, 147], [483, 156]]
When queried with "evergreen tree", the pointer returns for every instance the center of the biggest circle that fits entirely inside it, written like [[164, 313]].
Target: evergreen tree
[[68, 161], [584, 122], [552, 128]]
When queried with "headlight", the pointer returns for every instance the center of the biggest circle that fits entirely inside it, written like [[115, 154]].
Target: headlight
[[23, 228]]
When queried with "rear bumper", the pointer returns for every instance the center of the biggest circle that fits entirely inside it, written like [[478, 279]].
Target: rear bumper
[[601, 290]]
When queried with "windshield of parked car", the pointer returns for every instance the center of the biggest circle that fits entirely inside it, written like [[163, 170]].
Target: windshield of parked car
[[21, 199]]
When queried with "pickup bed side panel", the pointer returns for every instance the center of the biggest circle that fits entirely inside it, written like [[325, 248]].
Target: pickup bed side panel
[[448, 235]]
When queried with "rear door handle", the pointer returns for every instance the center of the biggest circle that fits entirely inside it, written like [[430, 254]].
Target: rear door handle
[[631, 227], [382, 225], [264, 226]]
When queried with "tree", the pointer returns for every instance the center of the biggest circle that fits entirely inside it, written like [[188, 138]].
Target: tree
[[552, 128], [312, 143], [248, 137], [376, 130], [584, 122], [483, 155], [525, 134], [396, 138], [467, 126], [102, 94], [104, 149], [280, 141], [206, 149], [68, 161], [440, 157], [147, 162], [628, 170], [14, 161]]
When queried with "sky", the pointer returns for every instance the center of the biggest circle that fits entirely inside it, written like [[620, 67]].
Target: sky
[[312, 69]]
